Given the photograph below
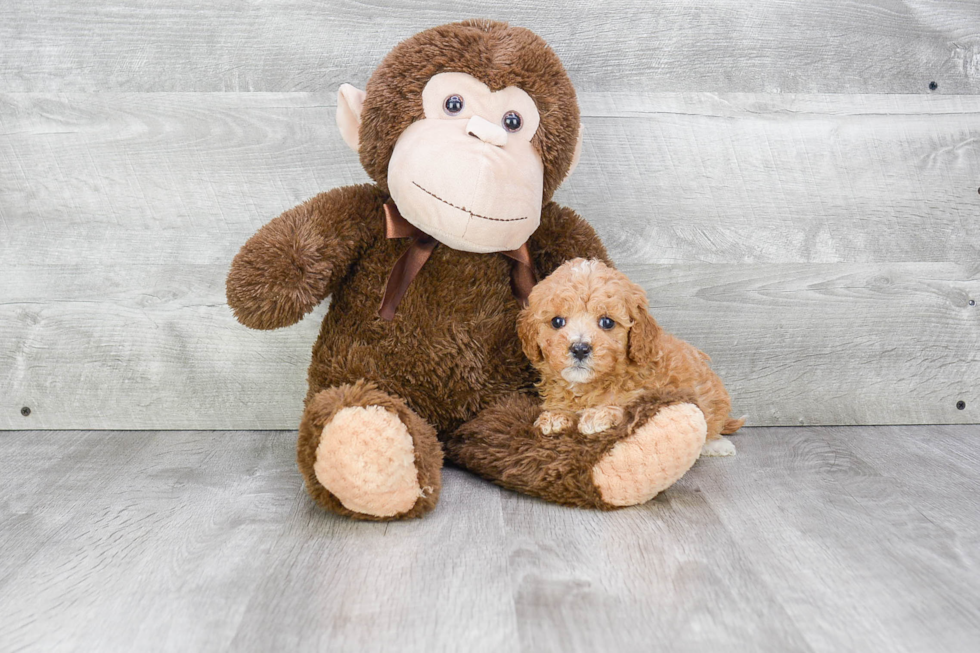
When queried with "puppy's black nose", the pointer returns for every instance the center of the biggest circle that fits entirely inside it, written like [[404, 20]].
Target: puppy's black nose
[[580, 350]]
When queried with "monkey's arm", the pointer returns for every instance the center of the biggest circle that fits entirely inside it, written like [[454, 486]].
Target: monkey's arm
[[298, 259], [563, 235]]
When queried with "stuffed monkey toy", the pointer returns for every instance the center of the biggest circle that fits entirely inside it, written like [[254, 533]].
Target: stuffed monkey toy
[[467, 130]]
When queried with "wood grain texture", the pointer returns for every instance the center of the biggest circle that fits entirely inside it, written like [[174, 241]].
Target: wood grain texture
[[666, 576], [852, 554], [156, 347], [763, 178], [936, 466], [810, 539], [822, 46], [185, 178], [830, 344], [207, 542], [828, 271]]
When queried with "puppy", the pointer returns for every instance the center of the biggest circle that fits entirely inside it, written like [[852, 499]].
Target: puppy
[[588, 331]]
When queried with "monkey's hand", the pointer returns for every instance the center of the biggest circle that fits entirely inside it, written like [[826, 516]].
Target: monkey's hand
[[597, 420], [553, 421], [294, 262]]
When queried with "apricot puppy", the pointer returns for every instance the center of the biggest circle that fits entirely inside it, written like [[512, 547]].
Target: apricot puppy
[[588, 331]]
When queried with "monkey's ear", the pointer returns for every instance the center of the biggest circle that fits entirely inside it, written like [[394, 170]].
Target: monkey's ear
[[578, 151], [350, 101]]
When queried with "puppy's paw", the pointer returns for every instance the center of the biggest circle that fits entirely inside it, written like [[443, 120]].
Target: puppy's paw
[[719, 447], [597, 420], [552, 421]]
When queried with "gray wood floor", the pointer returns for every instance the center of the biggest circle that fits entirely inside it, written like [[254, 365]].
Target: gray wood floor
[[811, 539]]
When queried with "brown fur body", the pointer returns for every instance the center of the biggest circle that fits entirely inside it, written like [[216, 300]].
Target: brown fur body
[[452, 348]]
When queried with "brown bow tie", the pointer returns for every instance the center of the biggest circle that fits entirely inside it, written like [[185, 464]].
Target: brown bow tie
[[522, 277]]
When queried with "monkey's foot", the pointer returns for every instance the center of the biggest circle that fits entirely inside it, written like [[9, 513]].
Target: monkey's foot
[[367, 460], [653, 457], [365, 454]]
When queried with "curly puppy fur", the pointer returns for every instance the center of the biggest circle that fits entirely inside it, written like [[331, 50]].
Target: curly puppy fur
[[589, 373]]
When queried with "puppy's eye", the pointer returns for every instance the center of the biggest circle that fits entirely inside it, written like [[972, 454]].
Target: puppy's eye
[[558, 322], [606, 323]]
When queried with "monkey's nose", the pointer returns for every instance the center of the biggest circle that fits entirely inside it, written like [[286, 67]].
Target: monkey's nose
[[486, 131], [580, 350]]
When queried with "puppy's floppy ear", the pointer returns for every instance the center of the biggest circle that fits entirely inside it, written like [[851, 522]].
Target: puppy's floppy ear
[[527, 332], [644, 335]]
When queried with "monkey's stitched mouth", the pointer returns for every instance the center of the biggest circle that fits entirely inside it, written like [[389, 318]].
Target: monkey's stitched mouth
[[466, 210]]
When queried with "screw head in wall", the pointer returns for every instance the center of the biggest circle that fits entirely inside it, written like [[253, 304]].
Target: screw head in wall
[[960, 405], [25, 411], [933, 86]]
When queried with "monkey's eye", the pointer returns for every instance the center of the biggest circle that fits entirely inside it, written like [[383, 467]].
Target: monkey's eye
[[454, 104], [558, 322], [606, 323], [512, 121]]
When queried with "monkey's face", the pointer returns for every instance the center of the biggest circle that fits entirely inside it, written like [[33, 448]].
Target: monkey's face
[[467, 173]]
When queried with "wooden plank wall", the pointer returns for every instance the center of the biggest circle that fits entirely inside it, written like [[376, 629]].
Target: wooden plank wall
[[779, 175]]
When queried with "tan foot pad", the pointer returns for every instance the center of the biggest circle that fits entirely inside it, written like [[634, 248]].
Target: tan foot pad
[[653, 458], [367, 460]]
